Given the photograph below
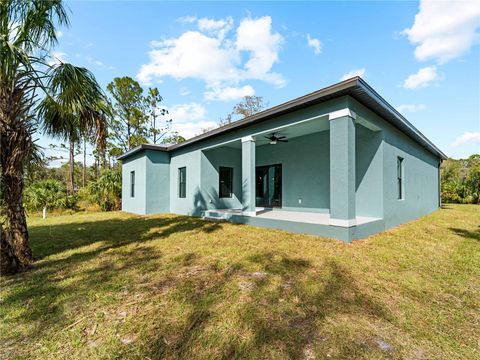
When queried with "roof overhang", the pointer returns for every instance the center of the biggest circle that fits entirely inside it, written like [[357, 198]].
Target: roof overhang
[[141, 148], [355, 87]]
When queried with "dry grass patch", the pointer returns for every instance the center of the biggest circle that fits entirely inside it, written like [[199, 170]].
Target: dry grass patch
[[115, 285]]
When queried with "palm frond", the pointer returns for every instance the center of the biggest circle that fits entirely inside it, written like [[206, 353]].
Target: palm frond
[[75, 105]]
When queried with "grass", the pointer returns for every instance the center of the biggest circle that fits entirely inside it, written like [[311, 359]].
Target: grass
[[115, 285]]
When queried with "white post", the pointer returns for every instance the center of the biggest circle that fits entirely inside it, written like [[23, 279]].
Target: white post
[[44, 213]]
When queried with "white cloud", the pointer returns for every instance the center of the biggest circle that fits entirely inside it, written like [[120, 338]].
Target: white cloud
[[189, 119], [444, 30], [465, 138], [256, 37], [356, 72], [217, 28], [315, 44], [229, 93], [56, 58], [182, 113], [221, 61], [192, 55], [404, 108], [422, 78], [59, 34], [191, 129]]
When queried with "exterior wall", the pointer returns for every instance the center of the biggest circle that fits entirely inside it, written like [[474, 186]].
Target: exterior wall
[[305, 170], [368, 172], [137, 204], [194, 202], [420, 173], [157, 198], [211, 160], [420, 179]]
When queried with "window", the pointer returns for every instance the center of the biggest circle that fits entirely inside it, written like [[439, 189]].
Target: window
[[400, 178], [182, 182], [132, 183], [226, 182]]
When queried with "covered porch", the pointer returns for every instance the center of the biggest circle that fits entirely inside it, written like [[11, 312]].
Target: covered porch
[[312, 172]]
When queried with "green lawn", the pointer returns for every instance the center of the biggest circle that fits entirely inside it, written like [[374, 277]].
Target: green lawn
[[115, 285]]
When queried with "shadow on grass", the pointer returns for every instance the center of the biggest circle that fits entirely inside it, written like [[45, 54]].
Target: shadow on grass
[[283, 309], [51, 239], [295, 328], [40, 294], [474, 235], [286, 317]]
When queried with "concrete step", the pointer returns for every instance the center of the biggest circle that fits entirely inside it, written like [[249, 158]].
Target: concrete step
[[214, 216]]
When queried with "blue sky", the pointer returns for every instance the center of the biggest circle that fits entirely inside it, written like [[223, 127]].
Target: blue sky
[[423, 58]]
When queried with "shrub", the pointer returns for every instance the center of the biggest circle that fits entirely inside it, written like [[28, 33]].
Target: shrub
[[50, 194], [107, 190], [461, 180]]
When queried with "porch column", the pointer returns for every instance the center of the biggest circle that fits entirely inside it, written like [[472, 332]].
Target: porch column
[[342, 168], [248, 175]]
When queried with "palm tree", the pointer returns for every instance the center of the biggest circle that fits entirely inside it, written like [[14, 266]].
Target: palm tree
[[27, 34], [75, 108]]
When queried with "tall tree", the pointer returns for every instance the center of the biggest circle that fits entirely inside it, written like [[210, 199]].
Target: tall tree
[[153, 100], [27, 34], [128, 126]]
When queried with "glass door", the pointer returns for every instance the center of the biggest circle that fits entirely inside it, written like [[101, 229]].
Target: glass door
[[269, 186]]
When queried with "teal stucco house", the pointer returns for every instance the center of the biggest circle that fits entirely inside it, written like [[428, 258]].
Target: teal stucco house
[[339, 162]]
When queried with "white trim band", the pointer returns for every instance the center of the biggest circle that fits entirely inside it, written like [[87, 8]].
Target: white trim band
[[341, 113], [249, 213], [248, 138], [343, 222]]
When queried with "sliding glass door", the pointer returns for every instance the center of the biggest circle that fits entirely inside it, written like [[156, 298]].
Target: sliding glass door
[[269, 186]]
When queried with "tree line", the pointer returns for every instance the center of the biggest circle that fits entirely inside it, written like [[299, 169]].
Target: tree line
[[460, 180]]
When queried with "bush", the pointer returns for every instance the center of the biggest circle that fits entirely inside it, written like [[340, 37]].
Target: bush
[[461, 180], [107, 190], [51, 194]]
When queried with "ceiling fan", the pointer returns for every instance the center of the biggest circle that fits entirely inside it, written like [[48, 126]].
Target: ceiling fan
[[273, 139]]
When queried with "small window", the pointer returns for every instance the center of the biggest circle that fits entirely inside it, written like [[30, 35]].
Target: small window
[[132, 184], [400, 178], [226, 182], [182, 182]]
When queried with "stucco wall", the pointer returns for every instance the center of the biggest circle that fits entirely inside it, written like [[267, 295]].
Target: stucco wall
[[211, 161], [136, 204], [194, 201], [368, 172], [305, 170], [157, 181], [420, 179], [420, 173]]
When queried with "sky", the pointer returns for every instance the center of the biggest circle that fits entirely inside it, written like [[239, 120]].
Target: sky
[[422, 57]]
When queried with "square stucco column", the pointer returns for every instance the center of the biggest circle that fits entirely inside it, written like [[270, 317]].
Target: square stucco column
[[248, 175], [342, 168]]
